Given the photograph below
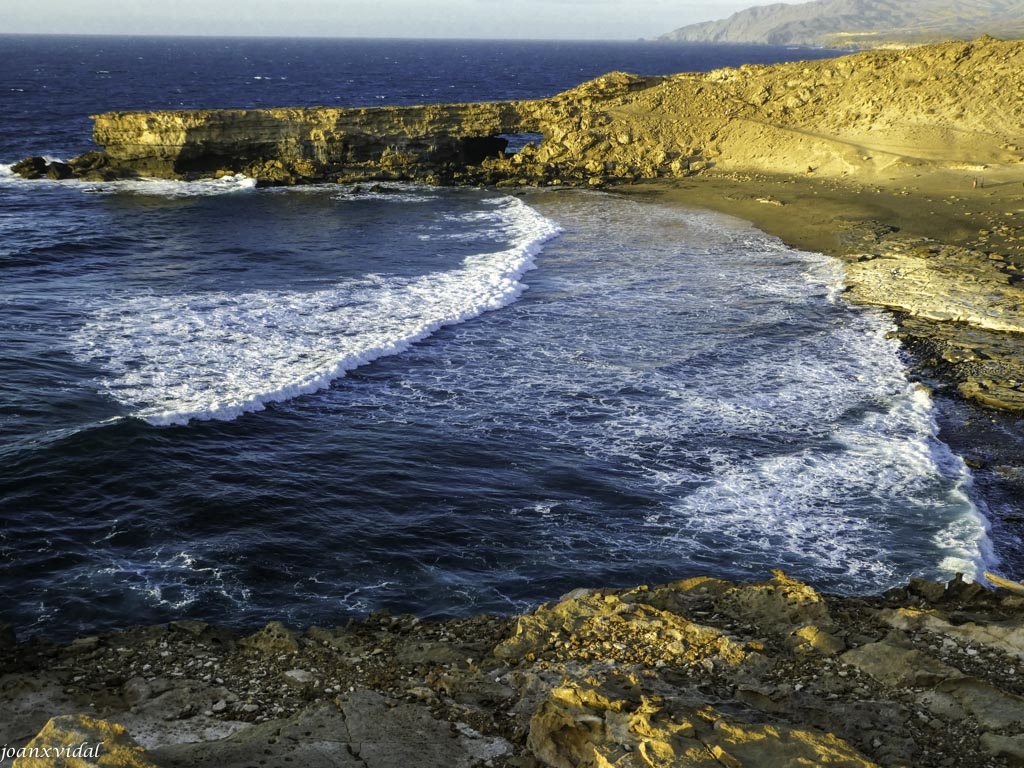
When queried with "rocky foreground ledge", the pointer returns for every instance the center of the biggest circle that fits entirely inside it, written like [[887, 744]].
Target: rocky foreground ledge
[[701, 672]]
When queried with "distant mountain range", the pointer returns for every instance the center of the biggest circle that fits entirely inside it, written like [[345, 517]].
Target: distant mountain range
[[861, 23]]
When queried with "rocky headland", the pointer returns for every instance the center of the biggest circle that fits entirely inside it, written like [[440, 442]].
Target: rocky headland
[[700, 672]]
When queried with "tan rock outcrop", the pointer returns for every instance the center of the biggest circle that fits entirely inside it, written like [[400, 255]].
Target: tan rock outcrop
[[80, 741], [858, 116], [310, 144]]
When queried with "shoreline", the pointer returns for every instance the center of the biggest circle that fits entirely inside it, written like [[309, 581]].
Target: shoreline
[[974, 373], [946, 257]]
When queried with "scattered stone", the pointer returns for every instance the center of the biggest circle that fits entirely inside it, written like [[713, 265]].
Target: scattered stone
[[580, 725], [299, 678]]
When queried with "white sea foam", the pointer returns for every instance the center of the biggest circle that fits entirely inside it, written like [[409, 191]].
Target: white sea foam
[[143, 186], [169, 579], [839, 510], [781, 430], [170, 187], [8, 177], [217, 355]]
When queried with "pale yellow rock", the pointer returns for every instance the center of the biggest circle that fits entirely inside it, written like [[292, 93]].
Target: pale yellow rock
[[936, 288], [274, 638], [80, 741], [814, 639], [608, 626], [781, 606], [581, 726], [780, 746]]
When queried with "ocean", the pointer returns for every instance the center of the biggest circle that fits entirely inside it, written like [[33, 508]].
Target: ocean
[[234, 404]]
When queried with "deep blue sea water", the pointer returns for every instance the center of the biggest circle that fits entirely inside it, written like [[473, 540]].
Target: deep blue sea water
[[241, 404]]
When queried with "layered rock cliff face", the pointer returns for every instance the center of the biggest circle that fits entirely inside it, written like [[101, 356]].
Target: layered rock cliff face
[[439, 144], [858, 116], [311, 144]]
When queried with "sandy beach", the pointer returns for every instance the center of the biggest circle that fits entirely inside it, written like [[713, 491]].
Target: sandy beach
[[979, 209], [902, 240]]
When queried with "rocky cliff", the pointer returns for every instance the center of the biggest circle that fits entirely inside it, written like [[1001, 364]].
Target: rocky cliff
[[437, 144], [860, 116], [860, 24], [311, 144]]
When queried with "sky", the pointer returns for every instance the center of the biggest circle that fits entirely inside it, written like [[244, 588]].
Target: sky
[[488, 19]]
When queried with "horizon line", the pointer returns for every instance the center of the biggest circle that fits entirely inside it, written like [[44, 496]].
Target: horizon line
[[277, 36]]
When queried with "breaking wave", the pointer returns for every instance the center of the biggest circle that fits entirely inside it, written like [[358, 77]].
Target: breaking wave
[[219, 354]]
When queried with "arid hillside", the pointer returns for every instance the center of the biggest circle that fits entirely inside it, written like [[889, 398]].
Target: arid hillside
[[864, 115], [860, 23]]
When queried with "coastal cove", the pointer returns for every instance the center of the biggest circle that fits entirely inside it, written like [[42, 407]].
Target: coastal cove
[[233, 326], [351, 469]]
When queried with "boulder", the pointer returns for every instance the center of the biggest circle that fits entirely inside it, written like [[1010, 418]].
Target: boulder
[[30, 168], [896, 665], [273, 639]]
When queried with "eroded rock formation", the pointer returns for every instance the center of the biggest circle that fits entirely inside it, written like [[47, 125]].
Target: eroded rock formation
[[436, 144], [860, 116], [428, 143]]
